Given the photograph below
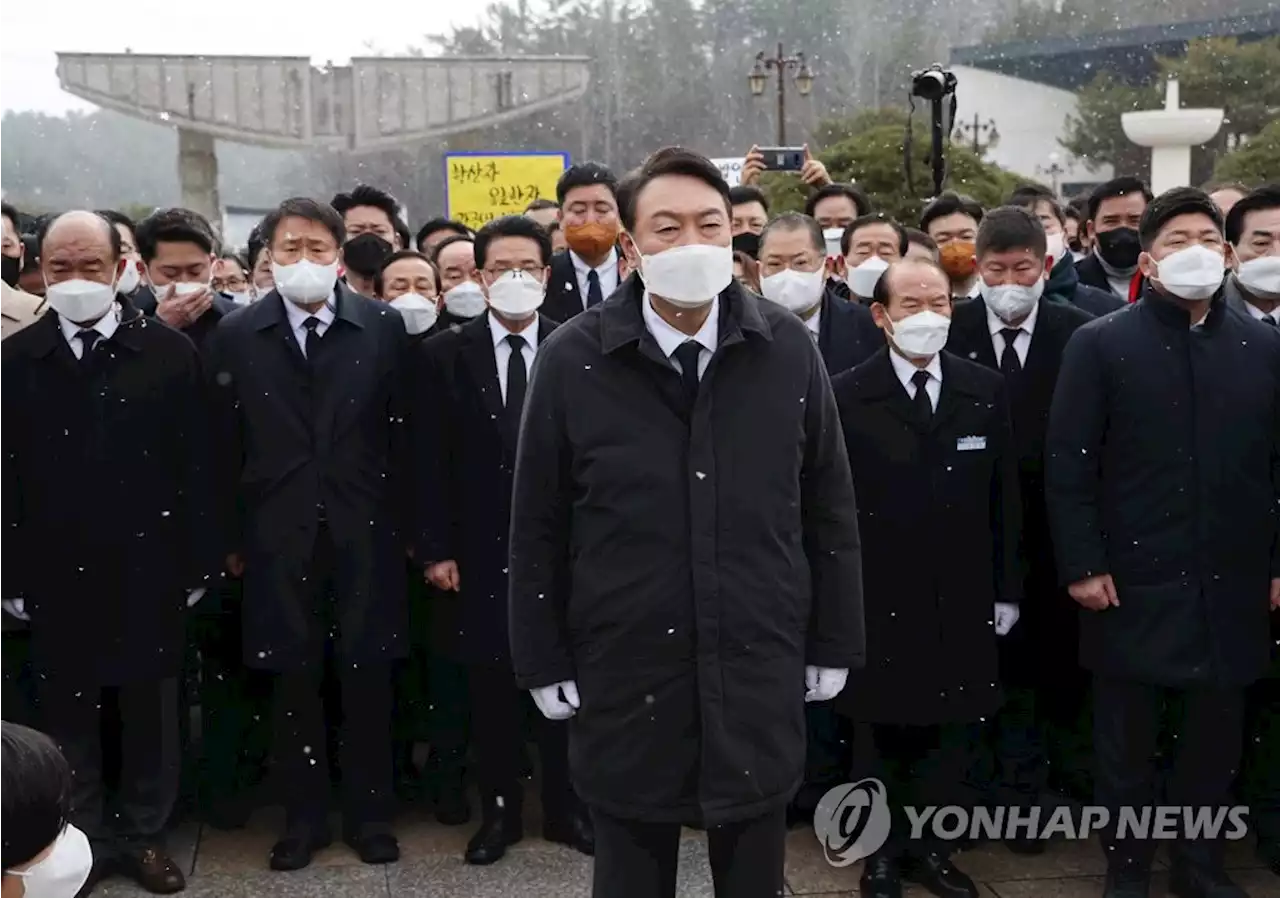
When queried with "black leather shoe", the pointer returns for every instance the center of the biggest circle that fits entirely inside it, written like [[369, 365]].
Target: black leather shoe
[[880, 878], [154, 870], [1025, 847], [575, 830], [490, 842], [452, 807], [295, 848], [1127, 879], [375, 847], [1194, 881], [937, 874]]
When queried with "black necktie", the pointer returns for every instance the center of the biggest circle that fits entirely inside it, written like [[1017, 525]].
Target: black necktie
[[1267, 319], [687, 355], [517, 381], [312, 325], [88, 339], [1010, 365], [924, 408], [594, 294]]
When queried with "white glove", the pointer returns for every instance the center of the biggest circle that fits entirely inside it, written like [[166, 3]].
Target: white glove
[[1006, 617], [17, 608], [194, 595], [552, 704], [823, 683]]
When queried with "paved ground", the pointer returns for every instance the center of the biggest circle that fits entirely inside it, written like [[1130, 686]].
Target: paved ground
[[233, 865]]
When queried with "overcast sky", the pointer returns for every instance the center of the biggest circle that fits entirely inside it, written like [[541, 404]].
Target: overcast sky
[[33, 31]]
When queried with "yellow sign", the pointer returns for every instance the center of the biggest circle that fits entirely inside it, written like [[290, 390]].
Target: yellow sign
[[480, 187]]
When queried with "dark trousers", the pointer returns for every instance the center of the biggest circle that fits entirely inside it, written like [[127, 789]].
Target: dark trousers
[[919, 765], [18, 696], [827, 754], [635, 859], [499, 710], [1126, 731], [1018, 741], [149, 756], [1261, 778]]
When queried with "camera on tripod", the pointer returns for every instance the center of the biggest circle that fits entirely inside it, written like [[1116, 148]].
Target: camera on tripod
[[932, 83]]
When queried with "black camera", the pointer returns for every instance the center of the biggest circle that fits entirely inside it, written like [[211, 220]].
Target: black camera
[[933, 83]]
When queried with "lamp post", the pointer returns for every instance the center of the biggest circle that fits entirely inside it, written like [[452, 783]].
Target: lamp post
[[758, 80], [1054, 170], [976, 130]]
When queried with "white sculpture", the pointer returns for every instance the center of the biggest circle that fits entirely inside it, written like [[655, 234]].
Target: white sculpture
[[1171, 133]]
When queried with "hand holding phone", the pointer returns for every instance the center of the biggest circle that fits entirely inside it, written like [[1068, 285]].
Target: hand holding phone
[[782, 158]]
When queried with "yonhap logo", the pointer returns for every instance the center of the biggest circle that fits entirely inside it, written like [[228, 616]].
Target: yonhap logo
[[852, 821]]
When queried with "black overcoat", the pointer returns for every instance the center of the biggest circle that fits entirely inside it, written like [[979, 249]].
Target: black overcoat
[[564, 299], [465, 457], [847, 334], [1163, 470], [107, 498], [683, 567], [297, 436], [939, 517]]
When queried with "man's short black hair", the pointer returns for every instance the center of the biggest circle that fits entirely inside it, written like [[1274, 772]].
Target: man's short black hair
[[396, 257], [881, 293], [448, 241], [366, 195], [402, 231], [584, 174], [512, 226], [795, 221], [1032, 195], [254, 246], [1265, 197], [36, 794], [119, 218], [1122, 186], [1071, 212], [1169, 205], [666, 162], [746, 193], [1008, 228], [440, 224], [228, 256], [541, 203], [14, 216], [861, 202], [873, 218], [950, 203], [176, 225], [920, 238], [44, 222], [306, 208]]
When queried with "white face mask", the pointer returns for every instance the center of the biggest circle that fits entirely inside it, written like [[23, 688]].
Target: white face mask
[[465, 300], [180, 288], [516, 295], [80, 301], [63, 870], [1077, 257], [863, 278], [1261, 276], [242, 298], [922, 335], [419, 313], [688, 276], [831, 237], [305, 282], [795, 291], [1193, 273], [1056, 248], [129, 279], [1011, 302]]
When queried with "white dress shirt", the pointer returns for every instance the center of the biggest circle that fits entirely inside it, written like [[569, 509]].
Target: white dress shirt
[[1265, 317], [106, 326], [669, 339], [607, 273], [298, 315], [502, 349], [907, 370], [1022, 342], [814, 323]]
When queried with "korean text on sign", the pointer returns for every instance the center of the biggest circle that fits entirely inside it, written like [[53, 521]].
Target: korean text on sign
[[484, 186]]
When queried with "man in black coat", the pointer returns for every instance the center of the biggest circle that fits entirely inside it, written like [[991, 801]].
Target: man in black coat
[[1163, 473], [931, 448], [590, 269], [467, 420], [1115, 210], [106, 497], [309, 383], [177, 248], [684, 551], [1015, 329]]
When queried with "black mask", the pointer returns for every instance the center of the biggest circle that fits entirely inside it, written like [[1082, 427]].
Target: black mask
[[365, 254], [1075, 245], [1119, 248], [10, 268], [748, 243]]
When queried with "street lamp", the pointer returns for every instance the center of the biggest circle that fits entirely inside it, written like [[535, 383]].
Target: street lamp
[[1055, 170], [976, 131], [758, 80]]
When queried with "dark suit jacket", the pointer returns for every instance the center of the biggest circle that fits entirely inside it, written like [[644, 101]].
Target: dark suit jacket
[[1091, 273], [1064, 284], [847, 334], [564, 299], [298, 435]]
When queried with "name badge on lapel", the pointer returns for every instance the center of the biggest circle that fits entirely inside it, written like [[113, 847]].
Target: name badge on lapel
[[971, 444]]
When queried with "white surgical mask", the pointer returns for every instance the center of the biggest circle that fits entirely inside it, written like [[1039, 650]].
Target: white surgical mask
[[1261, 275], [688, 276], [1055, 247], [62, 871], [516, 294], [831, 237], [795, 291], [305, 282], [129, 278], [922, 335], [1011, 302], [180, 288], [465, 300], [80, 301], [242, 298], [1194, 273], [864, 277], [418, 312]]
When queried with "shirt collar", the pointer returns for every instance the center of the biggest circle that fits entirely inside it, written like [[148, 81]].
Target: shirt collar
[[669, 339], [995, 325], [583, 269], [500, 333], [106, 325], [297, 314], [814, 321], [906, 370], [1257, 314]]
